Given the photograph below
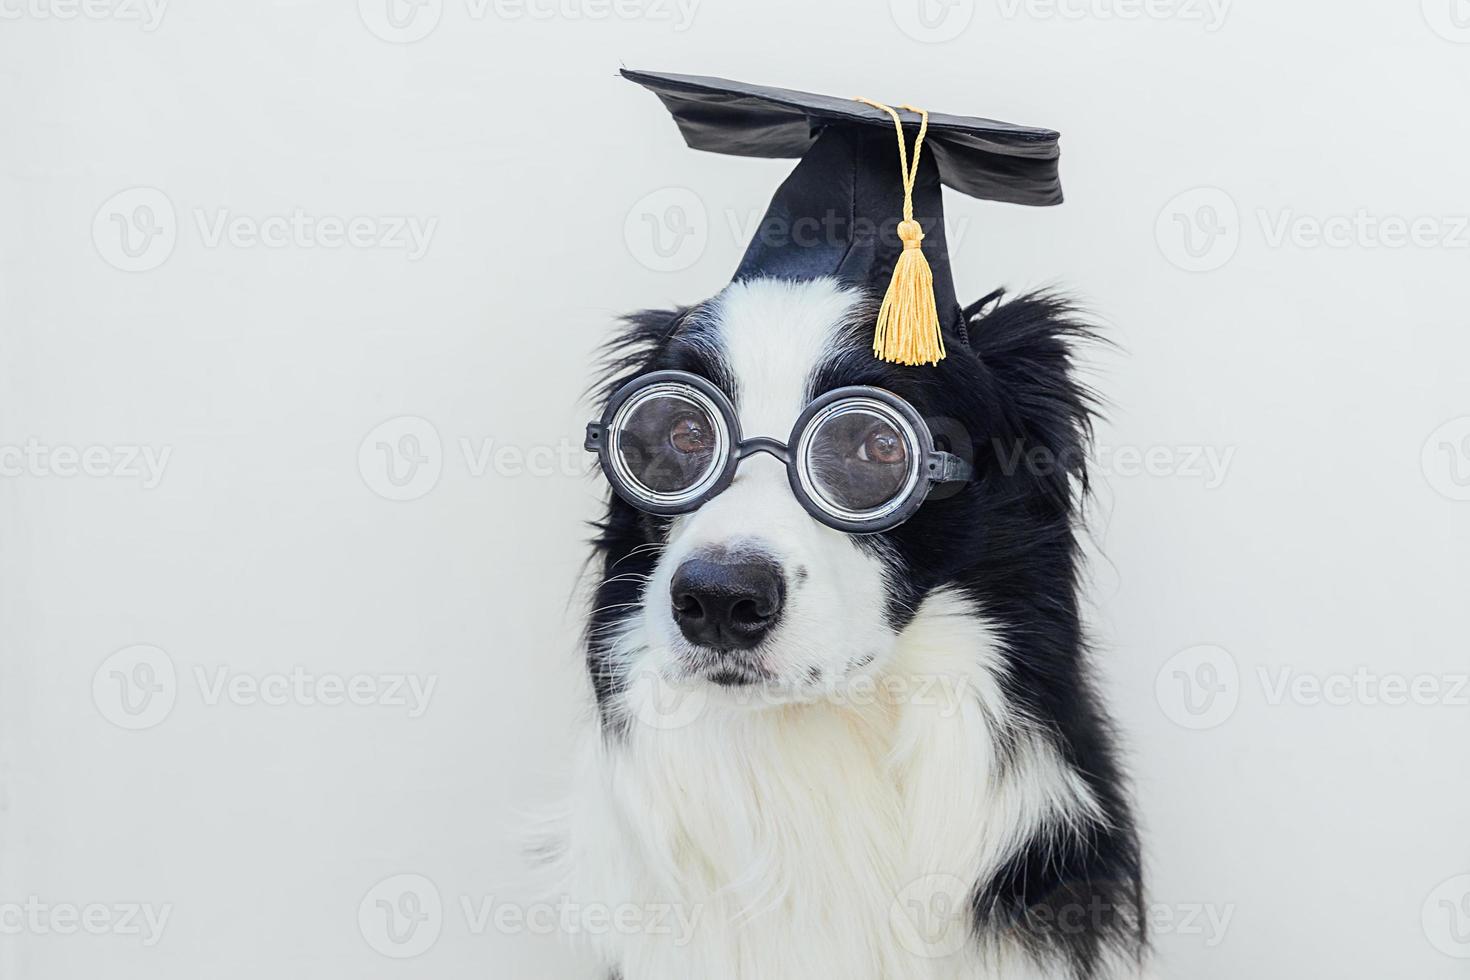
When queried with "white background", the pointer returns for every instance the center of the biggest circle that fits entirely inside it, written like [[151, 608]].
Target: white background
[[1333, 377]]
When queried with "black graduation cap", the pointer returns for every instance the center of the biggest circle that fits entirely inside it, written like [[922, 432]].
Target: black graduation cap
[[839, 212]]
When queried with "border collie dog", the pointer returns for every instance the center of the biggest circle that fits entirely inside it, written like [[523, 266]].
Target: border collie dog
[[908, 775]]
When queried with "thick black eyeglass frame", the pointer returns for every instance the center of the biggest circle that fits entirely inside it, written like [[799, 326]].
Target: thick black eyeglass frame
[[935, 466]]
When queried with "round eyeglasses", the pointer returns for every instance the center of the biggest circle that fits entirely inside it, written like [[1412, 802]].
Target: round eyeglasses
[[859, 459]]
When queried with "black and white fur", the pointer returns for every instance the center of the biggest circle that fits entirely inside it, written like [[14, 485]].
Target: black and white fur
[[915, 779]]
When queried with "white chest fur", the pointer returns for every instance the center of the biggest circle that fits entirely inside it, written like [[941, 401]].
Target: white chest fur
[[840, 838]]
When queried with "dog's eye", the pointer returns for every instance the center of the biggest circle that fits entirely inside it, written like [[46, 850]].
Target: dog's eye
[[882, 445], [689, 435]]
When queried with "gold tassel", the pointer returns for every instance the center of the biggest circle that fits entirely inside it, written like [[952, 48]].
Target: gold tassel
[[908, 329]]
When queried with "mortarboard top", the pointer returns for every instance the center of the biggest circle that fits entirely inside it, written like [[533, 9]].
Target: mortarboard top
[[838, 212]]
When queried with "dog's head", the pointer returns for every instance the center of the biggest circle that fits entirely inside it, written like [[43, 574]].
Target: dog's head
[[749, 594]]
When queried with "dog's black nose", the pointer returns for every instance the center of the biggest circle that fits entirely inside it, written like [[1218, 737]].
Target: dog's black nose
[[727, 605]]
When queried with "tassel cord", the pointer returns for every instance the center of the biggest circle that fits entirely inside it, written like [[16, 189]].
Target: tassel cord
[[908, 330]]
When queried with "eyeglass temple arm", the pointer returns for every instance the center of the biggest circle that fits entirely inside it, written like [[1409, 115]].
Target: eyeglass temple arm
[[948, 468]]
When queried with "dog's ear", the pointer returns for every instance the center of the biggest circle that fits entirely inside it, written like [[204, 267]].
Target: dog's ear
[[1028, 345], [633, 347]]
